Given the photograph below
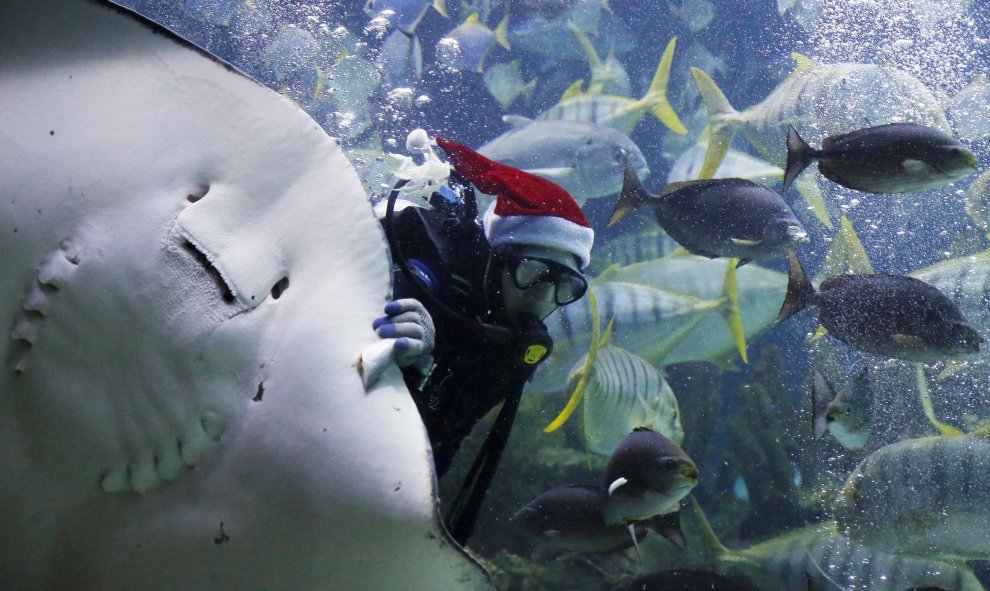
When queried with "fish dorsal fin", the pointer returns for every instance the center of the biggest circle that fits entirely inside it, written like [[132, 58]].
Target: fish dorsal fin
[[573, 91], [607, 335], [607, 274], [516, 121], [502, 32], [589, 361], [802, 62], [441, 7], [472, 19], [944, 429]]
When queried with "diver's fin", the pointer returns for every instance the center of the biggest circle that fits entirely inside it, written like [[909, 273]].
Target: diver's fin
[[633, 195], [730, 311], [720, 128], [656, 99], [799, 156], [800, 291], [502, 32], [926, 405], [574, 90], [575, 399], [441, 7], [809, 188], [822, 393]]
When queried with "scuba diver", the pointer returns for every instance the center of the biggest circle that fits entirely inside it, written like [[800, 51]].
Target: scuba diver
[[470, 299]]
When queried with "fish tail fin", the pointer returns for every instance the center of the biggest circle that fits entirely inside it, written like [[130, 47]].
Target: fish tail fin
[[800, 291], [578, 394], [656, 99], [730, 310], [441, 7], [720, 128], [502, 32], [822, 393], [799, 156], [926, 404], [698, 534], [632, 196]]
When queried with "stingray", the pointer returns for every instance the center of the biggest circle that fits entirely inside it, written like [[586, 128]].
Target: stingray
[[189, 268]]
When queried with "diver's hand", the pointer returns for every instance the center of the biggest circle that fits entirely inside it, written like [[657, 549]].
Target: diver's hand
[[408, 322]]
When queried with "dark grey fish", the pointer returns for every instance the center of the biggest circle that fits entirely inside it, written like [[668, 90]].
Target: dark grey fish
[[717, 217], [686, 580], [571, 518], [646, 475], [888, 315], [892, 158]]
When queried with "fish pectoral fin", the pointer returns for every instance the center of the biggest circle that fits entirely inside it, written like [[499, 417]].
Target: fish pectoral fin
[[632, 532], [745, 242], [915, 167], [560, 171], [516, 121], [616, 484]]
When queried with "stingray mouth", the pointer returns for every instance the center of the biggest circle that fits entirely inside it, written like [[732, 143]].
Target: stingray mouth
[[211, 270]]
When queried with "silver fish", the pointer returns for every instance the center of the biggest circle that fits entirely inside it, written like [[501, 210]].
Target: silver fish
[[978, 200], [847, 414], [585, 159], [505, 83], [819, 101], [968, 110], [466, 47], [923, 496], [401, 59], [404, 14]]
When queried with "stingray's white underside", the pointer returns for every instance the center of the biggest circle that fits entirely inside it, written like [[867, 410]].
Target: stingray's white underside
[[188, 271]]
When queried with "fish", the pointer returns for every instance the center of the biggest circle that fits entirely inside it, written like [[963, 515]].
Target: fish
[[549, 33], [405, 15], [504, 82], [620, 112], [848, 414], [608, 76], [466, 47], [646, 475], [676, 309], [400, 60], [693, 14], [685, 580], [571, 518], [175, 349], [586, 159], [717, 217], [968, 109], [977, 201], [620, 391], [291, 49], [821, 100], [922, 496], [888, 315], [890, 158], [785, 561], [643, 243]]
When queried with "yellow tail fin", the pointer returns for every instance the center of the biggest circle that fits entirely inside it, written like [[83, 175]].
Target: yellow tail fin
[[656, 95], [926, 404], [720, 128], [502, 32], [578, 393], [730, 311]]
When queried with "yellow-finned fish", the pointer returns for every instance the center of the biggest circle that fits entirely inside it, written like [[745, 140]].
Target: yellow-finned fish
[[819, 100], [620, 112]]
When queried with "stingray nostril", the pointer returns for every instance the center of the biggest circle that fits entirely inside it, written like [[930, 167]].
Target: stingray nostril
[[280, 286], [198, 193]]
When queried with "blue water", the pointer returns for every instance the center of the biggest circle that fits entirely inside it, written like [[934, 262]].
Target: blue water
[[755, 43]]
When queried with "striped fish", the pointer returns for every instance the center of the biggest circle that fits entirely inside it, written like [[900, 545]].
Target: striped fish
[[830, 560], [620, 112], [623, 392], [645, 243], [668, 310], [608, 76], [978, 200], [819, 101], [925, 496]]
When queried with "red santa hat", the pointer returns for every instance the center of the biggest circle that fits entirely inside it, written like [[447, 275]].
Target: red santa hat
[[528, 209]]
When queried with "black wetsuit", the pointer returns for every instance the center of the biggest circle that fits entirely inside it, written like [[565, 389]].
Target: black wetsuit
[[472, 372]]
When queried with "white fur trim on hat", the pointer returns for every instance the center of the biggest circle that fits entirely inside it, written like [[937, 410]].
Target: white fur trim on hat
[[540, 230]]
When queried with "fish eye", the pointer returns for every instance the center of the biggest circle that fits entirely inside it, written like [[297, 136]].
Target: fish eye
[[670, 464]]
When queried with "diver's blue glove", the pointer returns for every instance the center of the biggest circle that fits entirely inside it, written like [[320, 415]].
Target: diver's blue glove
[[410, 324]]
